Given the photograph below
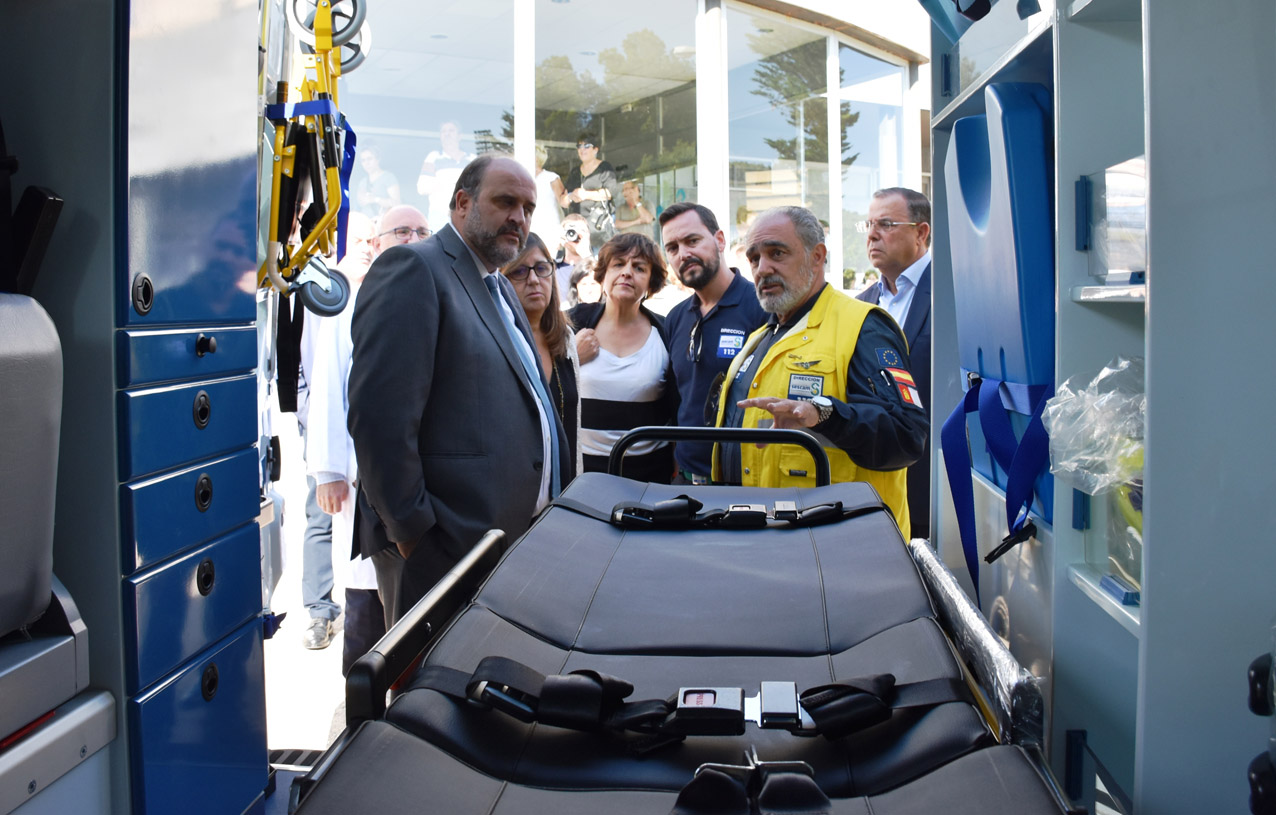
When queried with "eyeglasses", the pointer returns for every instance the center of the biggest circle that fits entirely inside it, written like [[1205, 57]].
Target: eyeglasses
[[542, 269], [405, 232], [696, 345], [584, 145], [883, 224]]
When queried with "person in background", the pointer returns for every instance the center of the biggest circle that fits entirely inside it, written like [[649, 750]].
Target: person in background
[[452, 428], [378, 190], [594, 190], [706, 330], [825, 362], [440, 171], [532, 274], [575, 255], [332, 464], [584, 288], [317, 580], [401, 225], [549, 190], [898, 236], [632, 214], [624, 367]]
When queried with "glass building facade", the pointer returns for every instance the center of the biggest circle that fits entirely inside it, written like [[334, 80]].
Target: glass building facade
[[726, 103]]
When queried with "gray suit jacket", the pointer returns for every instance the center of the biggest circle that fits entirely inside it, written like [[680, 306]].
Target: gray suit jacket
[[444, 419], [917, 332]]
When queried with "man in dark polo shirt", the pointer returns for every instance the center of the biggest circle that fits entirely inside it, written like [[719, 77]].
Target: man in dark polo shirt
[[706, 330]]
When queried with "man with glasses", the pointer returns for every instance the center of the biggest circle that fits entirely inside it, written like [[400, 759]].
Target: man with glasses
[[400, 225], [898, 234], [824, 362], [706, 330], [453, 430]]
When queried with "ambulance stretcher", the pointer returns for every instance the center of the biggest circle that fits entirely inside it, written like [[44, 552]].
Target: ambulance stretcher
[[649, 648]]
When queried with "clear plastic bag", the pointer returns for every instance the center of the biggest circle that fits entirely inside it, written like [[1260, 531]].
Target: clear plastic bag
[[1096, 427]]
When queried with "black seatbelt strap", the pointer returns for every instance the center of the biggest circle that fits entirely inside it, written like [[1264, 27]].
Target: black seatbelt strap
[[288, 350], [589, 700], [684, 512]]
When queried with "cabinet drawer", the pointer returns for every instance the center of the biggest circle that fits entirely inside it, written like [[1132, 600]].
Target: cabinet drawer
[[199, 738], [166, 427], [162, 516], [175, 609], [188, 353]]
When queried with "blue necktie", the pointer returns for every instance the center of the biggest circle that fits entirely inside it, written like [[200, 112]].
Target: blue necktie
[[533, 372]]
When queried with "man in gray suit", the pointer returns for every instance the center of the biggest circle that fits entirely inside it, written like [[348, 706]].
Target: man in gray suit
[[447, 410], [898, 232]]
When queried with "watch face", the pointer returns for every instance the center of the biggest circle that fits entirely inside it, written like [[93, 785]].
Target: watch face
[[822, 402]]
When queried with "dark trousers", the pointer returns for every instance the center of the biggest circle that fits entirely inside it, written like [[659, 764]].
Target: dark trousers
[[365, 625]]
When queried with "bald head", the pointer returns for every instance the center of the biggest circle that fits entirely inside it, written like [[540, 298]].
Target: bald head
[[404, 217]]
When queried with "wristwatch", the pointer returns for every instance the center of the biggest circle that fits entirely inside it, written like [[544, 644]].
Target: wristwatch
[[824, 405]]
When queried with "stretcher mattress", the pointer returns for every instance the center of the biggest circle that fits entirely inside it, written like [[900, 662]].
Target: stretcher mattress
[[671, 608]]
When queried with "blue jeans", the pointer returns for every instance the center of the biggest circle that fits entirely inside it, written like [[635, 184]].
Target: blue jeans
[[316, 555]]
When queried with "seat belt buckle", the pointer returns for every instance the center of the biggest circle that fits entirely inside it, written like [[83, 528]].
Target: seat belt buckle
[[785, 511], [744, 516], [630, 516], [505, 699], [779, 707], [707, 712], [1012, 540]]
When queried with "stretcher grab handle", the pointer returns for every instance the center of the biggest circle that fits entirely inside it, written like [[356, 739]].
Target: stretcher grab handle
[[718, 435], [397, 652]]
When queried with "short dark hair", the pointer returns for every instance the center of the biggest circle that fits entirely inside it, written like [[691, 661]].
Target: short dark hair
[[630, 244], [553, 323], [588, 137], [471, 178], [706, 215], [918, 204]]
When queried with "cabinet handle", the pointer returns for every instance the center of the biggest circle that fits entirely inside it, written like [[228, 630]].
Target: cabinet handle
[[208, 682], [202, 409], [203, 492], [143, 293], [205, 345], [205, 576]]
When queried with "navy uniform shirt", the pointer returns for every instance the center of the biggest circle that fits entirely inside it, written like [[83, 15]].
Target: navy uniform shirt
[[700, 349], [874, 426]]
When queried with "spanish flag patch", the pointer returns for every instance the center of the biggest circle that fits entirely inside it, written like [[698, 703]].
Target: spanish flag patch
[[907, 387]]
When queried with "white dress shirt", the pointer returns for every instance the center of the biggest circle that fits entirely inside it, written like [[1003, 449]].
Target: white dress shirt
[[897, 304]]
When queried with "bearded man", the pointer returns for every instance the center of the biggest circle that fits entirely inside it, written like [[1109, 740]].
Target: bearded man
[[451, 423], [824, 362]]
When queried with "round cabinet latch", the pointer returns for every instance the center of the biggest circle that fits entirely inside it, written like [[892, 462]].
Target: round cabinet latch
[[208, 682], [203, 492], [205, 575], [205, 345], [202, 409], [143, 293]]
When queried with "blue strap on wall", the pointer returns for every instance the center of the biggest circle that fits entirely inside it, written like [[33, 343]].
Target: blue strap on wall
[[1022, 459]]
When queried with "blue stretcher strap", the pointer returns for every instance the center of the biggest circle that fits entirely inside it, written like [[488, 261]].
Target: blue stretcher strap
[[347, 166], [292, 110], [1022, 459], [956, 447]]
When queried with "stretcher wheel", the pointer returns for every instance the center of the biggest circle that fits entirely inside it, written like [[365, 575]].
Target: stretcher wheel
[[347, 17], [326, 303], [354, 52]]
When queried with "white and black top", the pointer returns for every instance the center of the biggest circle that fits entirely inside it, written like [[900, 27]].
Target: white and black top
[[618, 394]]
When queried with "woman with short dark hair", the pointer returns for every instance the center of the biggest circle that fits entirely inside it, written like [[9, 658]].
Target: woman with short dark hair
[[594, 190], [625, 380]]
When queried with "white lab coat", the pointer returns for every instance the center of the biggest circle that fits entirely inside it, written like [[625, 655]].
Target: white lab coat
[[330, 450]]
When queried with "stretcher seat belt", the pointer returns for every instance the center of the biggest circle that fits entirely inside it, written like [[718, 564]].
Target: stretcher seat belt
[[1022, 459], [592, 701], [684, 512], [764, 787]]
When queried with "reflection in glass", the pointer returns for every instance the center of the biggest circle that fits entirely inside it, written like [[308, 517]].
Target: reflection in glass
[[778, 109], [874, 90], [628, 81], [426, 104]]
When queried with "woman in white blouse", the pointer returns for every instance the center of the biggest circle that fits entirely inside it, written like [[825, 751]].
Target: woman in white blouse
[[625, 379]]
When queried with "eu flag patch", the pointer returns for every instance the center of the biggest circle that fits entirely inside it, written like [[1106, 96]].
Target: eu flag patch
[[889, 358]]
